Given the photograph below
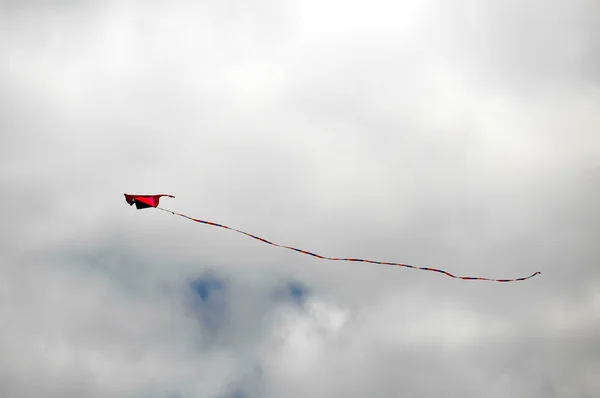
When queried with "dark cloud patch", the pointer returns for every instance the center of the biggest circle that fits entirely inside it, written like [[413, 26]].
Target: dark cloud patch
[[236, 394], [293, 291], [208, 287], [210, 302]]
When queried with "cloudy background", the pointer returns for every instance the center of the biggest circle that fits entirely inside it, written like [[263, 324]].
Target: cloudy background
[[461, 135]]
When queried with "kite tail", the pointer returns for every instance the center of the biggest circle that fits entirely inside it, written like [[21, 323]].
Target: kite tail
[[469, 278]]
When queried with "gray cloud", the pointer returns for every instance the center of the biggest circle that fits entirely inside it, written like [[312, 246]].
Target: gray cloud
[[460, 137]]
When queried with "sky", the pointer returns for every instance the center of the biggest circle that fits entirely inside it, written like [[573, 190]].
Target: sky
[[458, 135]]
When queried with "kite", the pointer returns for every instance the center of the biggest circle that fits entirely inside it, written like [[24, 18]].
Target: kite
[[144, 201], [151, 201]]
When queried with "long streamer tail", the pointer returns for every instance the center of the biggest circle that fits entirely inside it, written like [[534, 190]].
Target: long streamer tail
[[471, 278]]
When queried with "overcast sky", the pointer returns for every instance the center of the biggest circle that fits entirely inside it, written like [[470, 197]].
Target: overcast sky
[[460, 135]]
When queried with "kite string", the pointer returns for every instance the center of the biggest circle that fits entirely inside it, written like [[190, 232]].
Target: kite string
[[346, 259]]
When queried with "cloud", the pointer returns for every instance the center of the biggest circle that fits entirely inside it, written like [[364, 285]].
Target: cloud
[[293, 291], [462, 138], [210, 303]]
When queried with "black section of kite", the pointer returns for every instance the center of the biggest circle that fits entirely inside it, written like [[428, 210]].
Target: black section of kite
[[152, 201]]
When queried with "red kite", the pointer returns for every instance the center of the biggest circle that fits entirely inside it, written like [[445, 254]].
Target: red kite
[[145, 201]]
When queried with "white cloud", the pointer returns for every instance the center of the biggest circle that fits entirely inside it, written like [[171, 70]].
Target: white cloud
[[458, 137]]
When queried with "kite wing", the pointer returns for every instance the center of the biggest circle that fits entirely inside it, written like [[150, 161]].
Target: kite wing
[[144, 201]]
